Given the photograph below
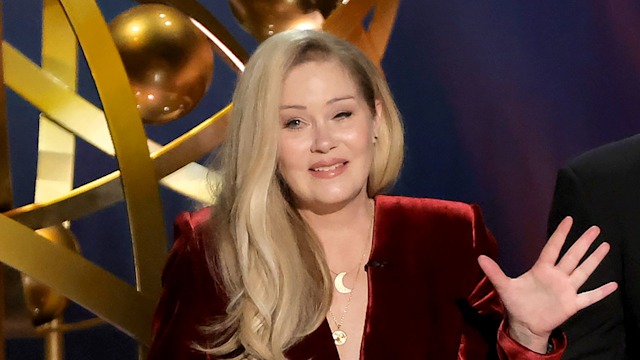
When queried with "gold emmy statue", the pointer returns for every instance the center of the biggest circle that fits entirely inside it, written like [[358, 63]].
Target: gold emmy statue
[[151, 65]]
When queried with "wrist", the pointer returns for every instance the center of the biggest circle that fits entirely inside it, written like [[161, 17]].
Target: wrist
[[529, 339]]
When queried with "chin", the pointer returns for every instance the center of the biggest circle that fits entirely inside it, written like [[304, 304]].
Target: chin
[[333, 200]]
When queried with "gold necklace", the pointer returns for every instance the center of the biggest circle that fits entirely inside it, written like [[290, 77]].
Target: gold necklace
[[338, 281], [339, 336], [346, 272]]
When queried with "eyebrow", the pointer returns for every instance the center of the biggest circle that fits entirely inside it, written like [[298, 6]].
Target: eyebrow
[[332, 101]]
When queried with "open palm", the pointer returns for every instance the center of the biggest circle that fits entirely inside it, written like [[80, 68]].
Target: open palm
[[547, 295]]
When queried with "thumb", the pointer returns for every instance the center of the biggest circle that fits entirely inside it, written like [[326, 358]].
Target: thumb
[[494, 272]]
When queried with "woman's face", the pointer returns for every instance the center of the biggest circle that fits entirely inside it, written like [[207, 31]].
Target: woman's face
[[327, 136]]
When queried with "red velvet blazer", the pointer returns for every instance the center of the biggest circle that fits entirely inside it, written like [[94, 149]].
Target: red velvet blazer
[[452, 314]]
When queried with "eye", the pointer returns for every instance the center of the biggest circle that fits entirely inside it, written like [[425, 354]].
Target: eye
[[343, 115], [293, 124]]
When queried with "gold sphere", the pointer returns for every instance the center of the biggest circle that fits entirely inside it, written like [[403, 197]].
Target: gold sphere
[[45, 304], [263, 18], [169, 61]]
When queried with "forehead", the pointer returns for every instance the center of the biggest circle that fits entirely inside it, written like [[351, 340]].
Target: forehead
[[318, 80]]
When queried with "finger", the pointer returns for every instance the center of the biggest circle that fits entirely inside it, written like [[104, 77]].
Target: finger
[[588, 266], [591, 297], [493, 272], [551, 250], [576, 252]]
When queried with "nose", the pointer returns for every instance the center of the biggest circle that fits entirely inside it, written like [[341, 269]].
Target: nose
[[324, 139]]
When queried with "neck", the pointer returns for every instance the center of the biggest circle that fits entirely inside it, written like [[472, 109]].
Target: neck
[[357, 211], [345, 234]]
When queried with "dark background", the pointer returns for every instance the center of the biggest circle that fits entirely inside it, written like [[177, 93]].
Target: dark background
[[496, 96]]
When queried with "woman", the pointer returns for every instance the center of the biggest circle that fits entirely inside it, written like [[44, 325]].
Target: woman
[[302, 258]]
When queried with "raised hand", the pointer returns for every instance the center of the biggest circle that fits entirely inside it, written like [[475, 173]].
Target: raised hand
[[546, 296]]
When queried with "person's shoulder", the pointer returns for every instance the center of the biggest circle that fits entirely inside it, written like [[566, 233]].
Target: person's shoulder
[[620, 155], [195, 218], [192, 228], [407, 203], [419, 208], [443, 228]]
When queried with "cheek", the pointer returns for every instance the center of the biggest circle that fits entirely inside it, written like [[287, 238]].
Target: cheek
[[290, 154], [360, 140], [285, 170], [293, 141]]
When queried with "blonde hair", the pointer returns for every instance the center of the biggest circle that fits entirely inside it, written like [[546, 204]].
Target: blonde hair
[[266, 258]]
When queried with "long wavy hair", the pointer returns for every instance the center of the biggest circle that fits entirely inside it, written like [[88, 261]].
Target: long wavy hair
[[265, 257]]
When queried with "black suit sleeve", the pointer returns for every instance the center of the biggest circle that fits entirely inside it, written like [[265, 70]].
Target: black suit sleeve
[[569, 200], [596, 332]]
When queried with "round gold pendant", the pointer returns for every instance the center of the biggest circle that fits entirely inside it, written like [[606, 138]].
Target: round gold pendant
[[339, 337]]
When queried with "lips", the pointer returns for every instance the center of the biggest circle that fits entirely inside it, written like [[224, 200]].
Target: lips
[[324, 166], [328, 169]]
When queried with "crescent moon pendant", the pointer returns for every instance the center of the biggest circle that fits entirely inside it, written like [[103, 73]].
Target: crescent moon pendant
[[339, 284]]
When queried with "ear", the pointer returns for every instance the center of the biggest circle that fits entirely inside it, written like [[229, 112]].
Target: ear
[[377, 119]]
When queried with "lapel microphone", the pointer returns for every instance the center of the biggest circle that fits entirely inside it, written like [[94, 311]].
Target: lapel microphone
[[375, 264]]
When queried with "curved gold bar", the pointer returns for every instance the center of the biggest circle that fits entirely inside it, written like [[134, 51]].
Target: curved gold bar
[[80, 117], [346, 22], [347, 18], [382, 24], [56, 159], [83, 200], [193, 144], [56, 146], [226, 45], [107, 191], [59, 45], [78, 279], [361, 38], [129, 140], [54, 98]]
